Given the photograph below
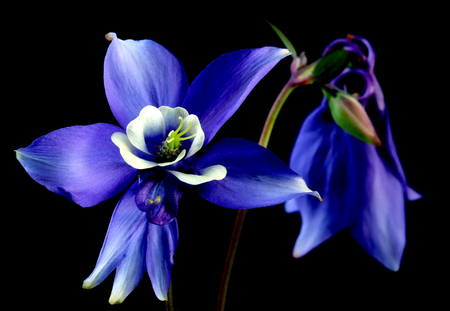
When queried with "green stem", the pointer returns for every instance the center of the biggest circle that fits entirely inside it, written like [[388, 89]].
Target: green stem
[[263, 141], [230, 259], [169, 302], [273, 114]]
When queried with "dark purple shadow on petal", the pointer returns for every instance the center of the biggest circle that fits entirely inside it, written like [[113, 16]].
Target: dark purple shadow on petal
[[143, 194], [159, 199]]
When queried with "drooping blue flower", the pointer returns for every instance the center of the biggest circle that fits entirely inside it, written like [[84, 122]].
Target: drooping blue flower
[[363, 186], [159, 153]]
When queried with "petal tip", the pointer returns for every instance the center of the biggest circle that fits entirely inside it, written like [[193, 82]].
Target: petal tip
[[317, 195], [110, 36], [161, 296], [18, 154], [115, 301], [87, 284], [296, 254], [285, 52]]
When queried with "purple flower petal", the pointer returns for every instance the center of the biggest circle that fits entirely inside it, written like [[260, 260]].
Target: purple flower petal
[[323, 155], [141, 73], [79, 162], [160, 199], [380, 229], [132, 245], [126, 237], [129, 271], [363, 188], [255, 176], [162, 242], [219, 90], [388, 152]]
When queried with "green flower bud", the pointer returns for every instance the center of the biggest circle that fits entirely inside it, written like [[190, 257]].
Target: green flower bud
[[351, 116]]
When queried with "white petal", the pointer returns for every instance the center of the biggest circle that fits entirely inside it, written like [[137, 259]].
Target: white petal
[[127, 150], [147, 128], [196, 129], [214, 172], [172, 121], [171, 116]]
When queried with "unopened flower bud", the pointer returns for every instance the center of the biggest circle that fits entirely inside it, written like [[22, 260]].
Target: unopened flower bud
[[298, 62], [323, 70], [351, 116]]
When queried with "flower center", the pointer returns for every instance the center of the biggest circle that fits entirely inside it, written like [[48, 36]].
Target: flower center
[[171, 147]]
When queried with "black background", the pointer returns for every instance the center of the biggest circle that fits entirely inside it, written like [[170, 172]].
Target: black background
[[53, 58]]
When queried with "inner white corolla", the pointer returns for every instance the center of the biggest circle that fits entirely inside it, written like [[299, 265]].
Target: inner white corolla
[[162, 137]]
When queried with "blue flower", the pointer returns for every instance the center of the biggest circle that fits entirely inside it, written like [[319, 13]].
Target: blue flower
[[363, 186], [158, 154]]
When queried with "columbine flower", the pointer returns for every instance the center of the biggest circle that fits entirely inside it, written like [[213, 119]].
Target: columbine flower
[[158, 155], [363, 186]]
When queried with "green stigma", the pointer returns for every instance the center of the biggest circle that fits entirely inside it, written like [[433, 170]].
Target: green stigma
[[170, 148], [174, 138]]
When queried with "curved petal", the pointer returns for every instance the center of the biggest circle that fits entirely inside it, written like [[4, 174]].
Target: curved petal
[[131, 154], [78, 162], [129, 271], [196, 143], [255, 176], [162, 242], [325, 155], [134, 157], [123, 248], [219, 90], [148, 129], [172, 122], [178, 159], [141, 73], [172, 117], [381, 227], [214, 172]]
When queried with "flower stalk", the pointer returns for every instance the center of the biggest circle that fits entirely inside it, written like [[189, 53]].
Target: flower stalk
[[273, 114], [239, 223], [169, 301]]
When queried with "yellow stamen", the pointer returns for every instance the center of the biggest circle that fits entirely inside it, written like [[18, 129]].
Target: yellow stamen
[[156, 201]]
